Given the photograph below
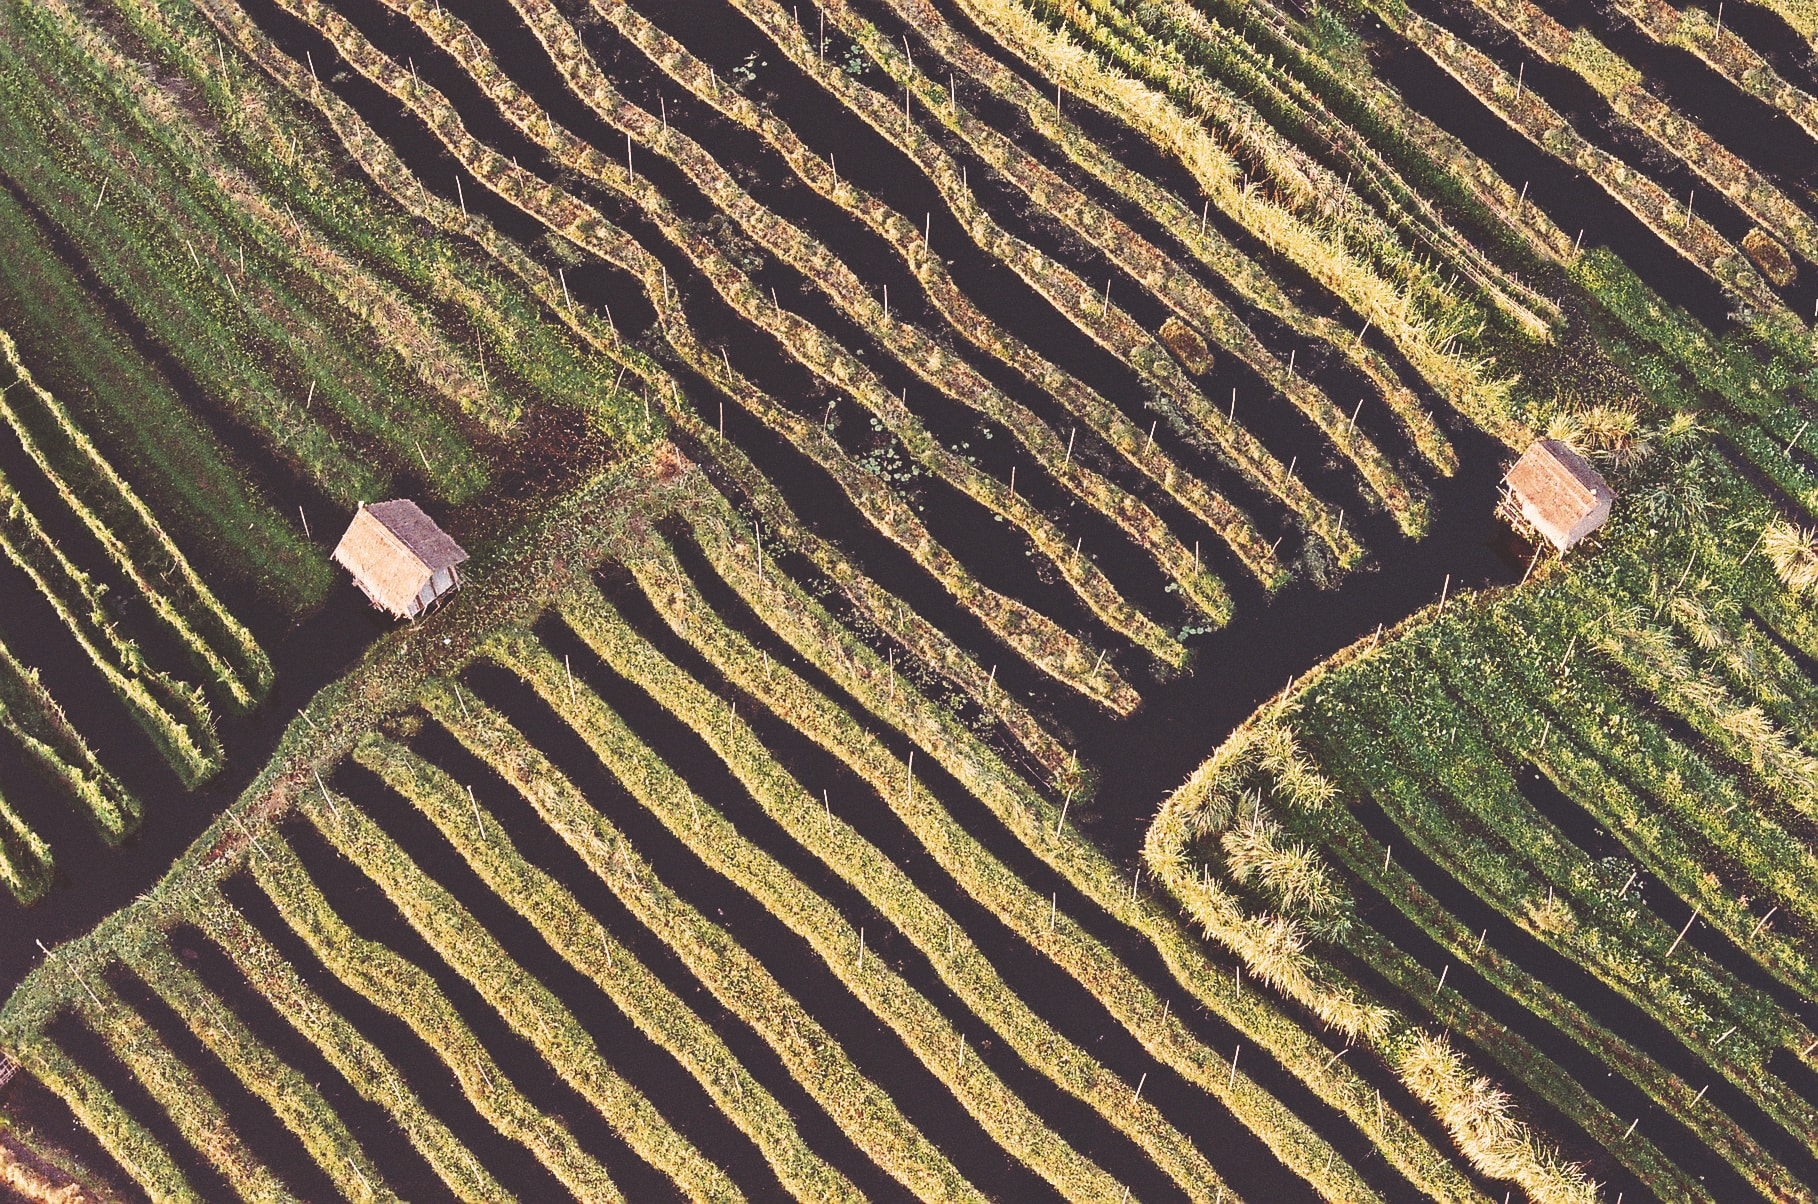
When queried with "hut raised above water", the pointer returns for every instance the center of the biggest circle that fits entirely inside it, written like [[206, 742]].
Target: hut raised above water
[[399, 557], [1555, 490]]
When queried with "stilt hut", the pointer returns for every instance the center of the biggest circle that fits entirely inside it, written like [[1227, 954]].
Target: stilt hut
[[1554, 491], [399, 558]]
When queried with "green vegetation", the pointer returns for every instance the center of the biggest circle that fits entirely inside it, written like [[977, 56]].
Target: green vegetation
[[739, 805]]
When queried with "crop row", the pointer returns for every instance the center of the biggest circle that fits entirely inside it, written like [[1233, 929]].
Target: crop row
[[176, 462], [1620, 86], [1192, 305], [1253, 283], [1724, 52], [1042, 828], [409, 993], [590, 948], [1677, 739], [173, 713], [966, 319], [896, 898], [362, 1064], [32, 717], [239, 667], [1528, 114], [531, 1010], [149, 222], [1509, 856], [1303, 94], [1381, 303], [735, 976], [934, 1040], [925, 642], [1263, 755], [1175, 60], [405, 329], [982, 876], [914, 348], [813, 348], [1036, 637], [520, 358]]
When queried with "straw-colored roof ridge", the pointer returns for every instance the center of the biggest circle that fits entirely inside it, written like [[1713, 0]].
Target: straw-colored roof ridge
[[393, 550], [418, 533], [1552, 475], [1559, 491]]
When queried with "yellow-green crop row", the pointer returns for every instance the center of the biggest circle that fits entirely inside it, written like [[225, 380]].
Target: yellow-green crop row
[[1245, 276], [1692, 237], [405, 991], [244, 683], [1724, 52], [1305, 94], [875, 604], [1299, 182], [175, 1089], [937, 1043], [1465, 839], [1096, 227], [297, 1104], [525, 360], [33, 718], [963, 317], [916, 349], [887, 888], [25, 858], [531, 1009], [978, 873], [1040, 826], [1671, 133], [173, 713], [1107, 324], [1468, 385], [365, 1068], [125, 1139], [1191, 302], [1276, 950], [868, 1116], [586, 944]]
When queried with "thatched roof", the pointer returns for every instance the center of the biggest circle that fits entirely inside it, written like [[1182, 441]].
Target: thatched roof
[[1559, 492], [393, 549]]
